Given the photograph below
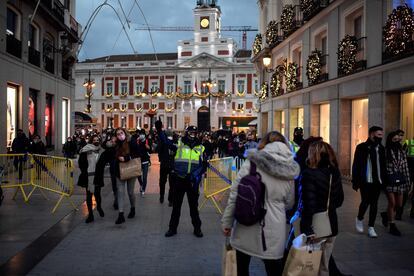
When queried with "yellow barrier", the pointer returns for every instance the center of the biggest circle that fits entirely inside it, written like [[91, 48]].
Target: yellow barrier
[[219, 177], [53, 174]]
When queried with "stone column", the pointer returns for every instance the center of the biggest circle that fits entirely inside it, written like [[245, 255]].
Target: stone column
[[373, 32], [333, 35], [375, 109]]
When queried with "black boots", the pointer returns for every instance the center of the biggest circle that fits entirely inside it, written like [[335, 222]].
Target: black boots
[[90, 218], [131, 213], [384, 217], [100, 211], [161, 199], [198, 233], [394, 230], [170, 233], [120, 219]]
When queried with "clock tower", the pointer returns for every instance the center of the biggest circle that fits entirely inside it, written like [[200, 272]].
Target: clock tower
[[207, 17]]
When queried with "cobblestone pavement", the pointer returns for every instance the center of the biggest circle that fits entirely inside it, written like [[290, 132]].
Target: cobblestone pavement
[[138, 247]]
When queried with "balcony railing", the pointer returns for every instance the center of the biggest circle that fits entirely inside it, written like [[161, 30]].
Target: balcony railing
[[409, 51], [314, 9], [59, 10], [34, 56], [49, 64], [14, 46]]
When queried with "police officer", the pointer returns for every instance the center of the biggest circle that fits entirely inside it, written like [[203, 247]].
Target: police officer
[[189, 166]]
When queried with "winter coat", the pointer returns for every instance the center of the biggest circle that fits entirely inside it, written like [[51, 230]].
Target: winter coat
[[37, 148], [164, 149], [277, 168], [88, 159], [20, 144], [360, 164], [315, 189]]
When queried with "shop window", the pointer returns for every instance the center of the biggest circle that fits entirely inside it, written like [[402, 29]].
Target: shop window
[[48, 119], [296, 120], [324, 122], [65, 120], [12, 98], [359, 123], [407, 120], [32, 118], [279, 121]]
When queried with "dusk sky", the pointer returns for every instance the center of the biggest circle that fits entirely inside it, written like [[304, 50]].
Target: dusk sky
[[102, 37]]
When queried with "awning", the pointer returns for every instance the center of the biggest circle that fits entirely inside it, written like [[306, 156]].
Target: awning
[[253, 123], [230, 122]]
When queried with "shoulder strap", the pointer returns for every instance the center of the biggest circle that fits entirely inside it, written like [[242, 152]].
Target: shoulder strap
[[252, 168], [329, 193]]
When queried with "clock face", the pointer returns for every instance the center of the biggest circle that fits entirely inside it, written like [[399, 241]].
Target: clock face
[[204, 23]]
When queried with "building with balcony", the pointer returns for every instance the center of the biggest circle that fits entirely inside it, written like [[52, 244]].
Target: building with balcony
[[208, 82], [336, 68], [37, 53]]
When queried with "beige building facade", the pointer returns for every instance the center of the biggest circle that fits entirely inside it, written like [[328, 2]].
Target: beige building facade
[[359, 82], [37, 52]]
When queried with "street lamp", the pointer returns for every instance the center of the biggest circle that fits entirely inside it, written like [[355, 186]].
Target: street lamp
[[89, 84], [209, 84]]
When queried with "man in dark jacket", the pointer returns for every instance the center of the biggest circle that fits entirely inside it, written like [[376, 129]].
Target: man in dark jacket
[[69, 148], [369, 174], [166, 157], [20, 145], [37, 147]]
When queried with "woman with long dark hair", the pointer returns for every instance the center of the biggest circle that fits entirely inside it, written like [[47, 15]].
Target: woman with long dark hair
[[398, 181], [321, 180]]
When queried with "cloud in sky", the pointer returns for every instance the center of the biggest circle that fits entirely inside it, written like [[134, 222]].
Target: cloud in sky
[[106, 36]]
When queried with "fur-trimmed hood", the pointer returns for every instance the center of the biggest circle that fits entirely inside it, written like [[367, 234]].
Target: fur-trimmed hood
[[277, 160]]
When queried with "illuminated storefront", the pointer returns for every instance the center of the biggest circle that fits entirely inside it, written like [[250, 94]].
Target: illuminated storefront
[[324, 121], [12, 96]]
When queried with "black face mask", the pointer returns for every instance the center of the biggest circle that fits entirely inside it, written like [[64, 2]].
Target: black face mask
[[377, 140], [396, 145], [96, 144]]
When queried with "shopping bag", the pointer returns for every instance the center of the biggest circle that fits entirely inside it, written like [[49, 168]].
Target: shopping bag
[[229, 264], [304, 258], [130, 169]]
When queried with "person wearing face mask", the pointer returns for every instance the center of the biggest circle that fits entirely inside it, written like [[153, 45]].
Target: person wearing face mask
[[88, 158], [144, 151], [189, 166], [369, 175], [398, 182]]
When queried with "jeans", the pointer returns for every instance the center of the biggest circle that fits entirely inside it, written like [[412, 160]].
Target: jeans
[[143, 178], [370, 193], [273, 267], [130, 183], [181, 187]]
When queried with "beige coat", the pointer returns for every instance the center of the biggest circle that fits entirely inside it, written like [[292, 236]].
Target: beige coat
[[278, 169]]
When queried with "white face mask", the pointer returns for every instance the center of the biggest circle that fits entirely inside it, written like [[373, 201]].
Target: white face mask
[[142, 137]]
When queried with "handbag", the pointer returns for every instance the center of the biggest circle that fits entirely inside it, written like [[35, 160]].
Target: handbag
[[304, 259], [229, 262], [130, 169], [320, 221]]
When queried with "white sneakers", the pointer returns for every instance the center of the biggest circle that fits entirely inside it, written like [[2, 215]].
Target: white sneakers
[[372, 233], [359, 225]]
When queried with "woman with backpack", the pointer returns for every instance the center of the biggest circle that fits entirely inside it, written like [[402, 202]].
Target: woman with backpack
[[273, 163], [321, 187]]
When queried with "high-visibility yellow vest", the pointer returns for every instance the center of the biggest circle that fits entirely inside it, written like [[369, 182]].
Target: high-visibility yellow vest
[[295, 147], [187, 160], [410, 147]]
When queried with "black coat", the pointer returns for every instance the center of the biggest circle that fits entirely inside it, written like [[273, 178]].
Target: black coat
[[315, 190], [20, 144], [37, 148], [360, 164], [106, 157], [83, 166]]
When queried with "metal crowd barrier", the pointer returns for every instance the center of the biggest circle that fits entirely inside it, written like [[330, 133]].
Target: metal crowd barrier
[[217, 182], [46, 173]]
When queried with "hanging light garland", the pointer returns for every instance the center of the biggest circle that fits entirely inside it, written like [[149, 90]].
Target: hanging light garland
[[314, 66], [257, 45], [109, 95], [240, 93], [263, 91], [138, 109], [287, 20], [291, 76], [347, 51], [271, 33], [307, 7], [399, 29], [169, 95], [169, 110], [276, 84]]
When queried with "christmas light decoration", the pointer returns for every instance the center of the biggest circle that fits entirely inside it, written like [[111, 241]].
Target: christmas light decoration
[[276, 84], [347, 51], [257, 45], [263, 91], [307, 7], [399, 29], [314, 66], [287, 20], [271, 33], [291, 76]]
